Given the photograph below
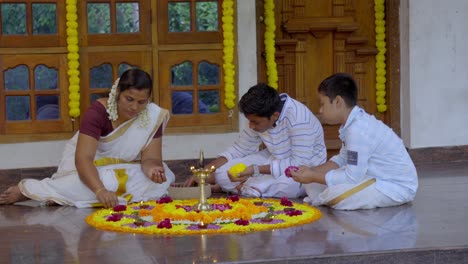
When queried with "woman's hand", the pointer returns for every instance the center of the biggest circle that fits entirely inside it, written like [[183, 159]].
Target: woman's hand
[[107, 198], [156, 174]]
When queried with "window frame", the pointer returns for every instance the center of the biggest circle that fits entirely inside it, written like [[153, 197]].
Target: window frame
[[196, 120], [63, 124], [166, 37], [35, 41], [185, 46], [118, 39], [144, 51], [92, 58]]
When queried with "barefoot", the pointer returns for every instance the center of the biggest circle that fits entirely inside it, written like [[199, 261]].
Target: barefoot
[[12, 195], [50, 203]]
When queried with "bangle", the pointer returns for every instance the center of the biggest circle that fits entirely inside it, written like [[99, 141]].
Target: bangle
[[256, 170], [99, 190]]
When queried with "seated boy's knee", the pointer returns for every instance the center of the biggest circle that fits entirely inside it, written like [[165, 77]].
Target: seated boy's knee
[[224, 182]]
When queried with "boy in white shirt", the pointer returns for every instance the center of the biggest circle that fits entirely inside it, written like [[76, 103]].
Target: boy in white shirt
[[291, 134], [373, 168]]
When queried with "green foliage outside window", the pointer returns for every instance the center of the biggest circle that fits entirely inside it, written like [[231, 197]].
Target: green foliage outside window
[[44, 21], [13, 19], [98, 18], [44, 18], [207, 16], [179, 17], [128, 18]]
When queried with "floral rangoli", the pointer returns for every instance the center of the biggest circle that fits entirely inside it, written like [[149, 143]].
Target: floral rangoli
[[178, 217]]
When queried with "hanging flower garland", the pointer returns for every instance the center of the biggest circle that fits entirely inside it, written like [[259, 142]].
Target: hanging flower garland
[[73, 57], [228, 50], [380, 65], [270, 28]]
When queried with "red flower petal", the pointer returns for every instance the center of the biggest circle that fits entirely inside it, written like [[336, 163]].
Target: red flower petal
[[163, 200], [166, 223], [242, 222], [233, 198], [119, 208], [286, 202], [288, 170]]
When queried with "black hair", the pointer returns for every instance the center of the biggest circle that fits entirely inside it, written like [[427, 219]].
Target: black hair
[[135, 79], [341, 84], [261, 100]]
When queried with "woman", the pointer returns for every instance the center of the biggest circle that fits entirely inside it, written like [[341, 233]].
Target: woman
[[116, 156]]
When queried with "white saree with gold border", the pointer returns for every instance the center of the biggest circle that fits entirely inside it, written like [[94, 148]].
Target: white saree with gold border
[[117, 161]]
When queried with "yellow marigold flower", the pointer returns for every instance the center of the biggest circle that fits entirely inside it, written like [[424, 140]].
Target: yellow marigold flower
[[237, 168], [380, 43], [244, 208]]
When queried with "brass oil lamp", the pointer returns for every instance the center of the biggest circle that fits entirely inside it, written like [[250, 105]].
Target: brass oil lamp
[[202, 174]]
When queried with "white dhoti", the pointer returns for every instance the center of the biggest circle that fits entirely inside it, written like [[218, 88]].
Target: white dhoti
[[264, 185], [126, 180], [363, 195], [117, 162]]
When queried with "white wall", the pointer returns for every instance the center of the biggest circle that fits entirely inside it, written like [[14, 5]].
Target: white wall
[[435, 90], [44, 154]]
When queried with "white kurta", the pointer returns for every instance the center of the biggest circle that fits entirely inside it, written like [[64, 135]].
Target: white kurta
[[370, 150], [296, 140], [115, 161]]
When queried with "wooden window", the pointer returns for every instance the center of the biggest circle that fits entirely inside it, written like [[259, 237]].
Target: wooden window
[[191, 76], [182, 50], [115, 23], [33, 71], [32, 23], [103, 68], [116, 37], [189, 21], [192, 89], [31, 99]]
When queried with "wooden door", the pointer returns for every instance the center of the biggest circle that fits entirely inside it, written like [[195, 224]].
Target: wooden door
[[315, 39]]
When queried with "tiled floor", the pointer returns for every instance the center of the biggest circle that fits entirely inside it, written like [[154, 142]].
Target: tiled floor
[[433, 229]]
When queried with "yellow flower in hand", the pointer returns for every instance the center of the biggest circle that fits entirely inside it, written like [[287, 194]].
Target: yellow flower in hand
[[236, 169]]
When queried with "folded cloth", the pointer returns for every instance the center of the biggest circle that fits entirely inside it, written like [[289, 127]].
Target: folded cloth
[[180, 193], [249, 191]]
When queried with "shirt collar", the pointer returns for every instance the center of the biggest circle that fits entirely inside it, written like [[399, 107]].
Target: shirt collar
[[286, 99], [352, 115]]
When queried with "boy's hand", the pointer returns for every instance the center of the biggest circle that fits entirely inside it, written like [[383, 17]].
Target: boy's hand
[[288, 170], [191, 181], [242, 176], [304, 175]]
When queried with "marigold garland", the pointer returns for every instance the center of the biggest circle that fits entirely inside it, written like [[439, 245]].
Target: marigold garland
[[380, 65], [73, 57], [175, 217], [228, 50], [270, 28]]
